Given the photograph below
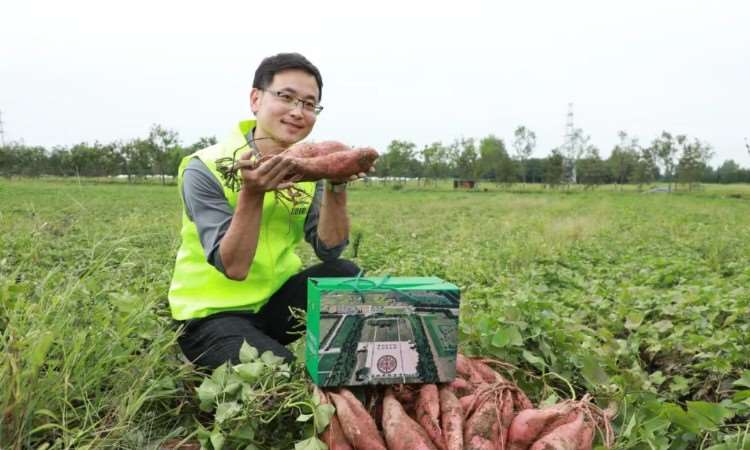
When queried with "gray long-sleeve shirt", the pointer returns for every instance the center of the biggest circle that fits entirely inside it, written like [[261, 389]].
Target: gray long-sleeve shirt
[[208, 208]]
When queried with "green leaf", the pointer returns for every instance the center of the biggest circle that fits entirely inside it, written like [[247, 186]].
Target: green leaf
[[304, 417], [312, 443], [250, 371], [629, 428], [592, 371], [248, 353], [743, 381], [226, 411], [270, 359], [323, 414], [713, 412], [680, 418], [217, 439], [39, 351], [633, 320], [245, 433], [220, 374], [533, 360], [505, 336], [208, 390]]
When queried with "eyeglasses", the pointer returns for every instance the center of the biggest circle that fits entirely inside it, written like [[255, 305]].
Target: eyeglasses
[[293, 102]]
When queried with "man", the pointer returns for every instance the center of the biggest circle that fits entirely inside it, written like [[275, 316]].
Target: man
[[236, 273]]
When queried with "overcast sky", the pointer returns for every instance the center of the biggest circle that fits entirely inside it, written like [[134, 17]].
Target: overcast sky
[[74, 71]]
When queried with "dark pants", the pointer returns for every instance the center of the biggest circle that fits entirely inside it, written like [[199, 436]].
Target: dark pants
[[213, 340]]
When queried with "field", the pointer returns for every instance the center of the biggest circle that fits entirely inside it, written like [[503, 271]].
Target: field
[[642, 299]]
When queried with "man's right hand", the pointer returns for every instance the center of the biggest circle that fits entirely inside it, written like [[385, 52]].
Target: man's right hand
[[267, 176]]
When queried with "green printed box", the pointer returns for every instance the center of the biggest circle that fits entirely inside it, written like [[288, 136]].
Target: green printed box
[[381, 330]]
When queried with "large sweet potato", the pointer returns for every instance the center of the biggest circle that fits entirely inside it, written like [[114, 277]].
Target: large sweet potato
[[564, 437], [529, 425], [428, 413], [333, 435], [483, 430], [451, 420], [334, 166], [315, 149], [401, 431], [359, 428]]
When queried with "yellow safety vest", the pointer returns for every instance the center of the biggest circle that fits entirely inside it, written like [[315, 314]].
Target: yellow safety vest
[[197, 288]]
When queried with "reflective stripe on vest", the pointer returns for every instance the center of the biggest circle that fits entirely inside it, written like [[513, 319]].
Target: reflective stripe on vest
[[197, 288]]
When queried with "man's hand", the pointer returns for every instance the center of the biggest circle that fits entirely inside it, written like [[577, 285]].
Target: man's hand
[[268, 175]]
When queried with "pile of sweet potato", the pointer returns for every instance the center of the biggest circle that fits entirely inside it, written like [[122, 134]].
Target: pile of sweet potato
[[479, 410]]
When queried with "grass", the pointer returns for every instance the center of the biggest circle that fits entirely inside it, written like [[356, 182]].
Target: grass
[[641, 298]]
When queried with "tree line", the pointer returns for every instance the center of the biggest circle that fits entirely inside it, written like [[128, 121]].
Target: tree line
[[158, 154], [669, 158]]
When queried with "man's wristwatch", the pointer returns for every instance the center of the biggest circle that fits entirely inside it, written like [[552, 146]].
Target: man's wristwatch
[[335, 187]]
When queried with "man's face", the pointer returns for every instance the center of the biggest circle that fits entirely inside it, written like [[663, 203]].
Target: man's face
[[284, 122]]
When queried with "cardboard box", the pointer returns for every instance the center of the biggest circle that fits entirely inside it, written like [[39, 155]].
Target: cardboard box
[[381, 330]]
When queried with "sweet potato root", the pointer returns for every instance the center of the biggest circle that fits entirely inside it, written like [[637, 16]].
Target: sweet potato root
[[466, 369], [428, 413], [401, 431], [451, 420], [359, 428]]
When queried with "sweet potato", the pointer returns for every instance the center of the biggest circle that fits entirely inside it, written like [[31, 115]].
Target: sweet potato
[[466, 402], [401, 431], [530, 424], [461, 387], [521, 401], [359, 428], [334, 166], [587, 436], [428, 413], [564, 437], [315, 149], [483, 430], [466, 369], [451, 420], [333, 435], [487, 374]]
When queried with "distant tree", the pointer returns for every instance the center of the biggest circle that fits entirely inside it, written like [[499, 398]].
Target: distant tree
[[398, 160], [554, 168], [591, 170], [573, 150], [435, 161], [523, 144], [623, 159], [646, 169], [492, 157], [467, 162], [729, 172], [535, 170], [693, 160], [665, 149], [201, 143], [162, 142]]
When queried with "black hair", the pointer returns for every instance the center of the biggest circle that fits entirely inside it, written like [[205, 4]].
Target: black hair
[[285, 61]]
